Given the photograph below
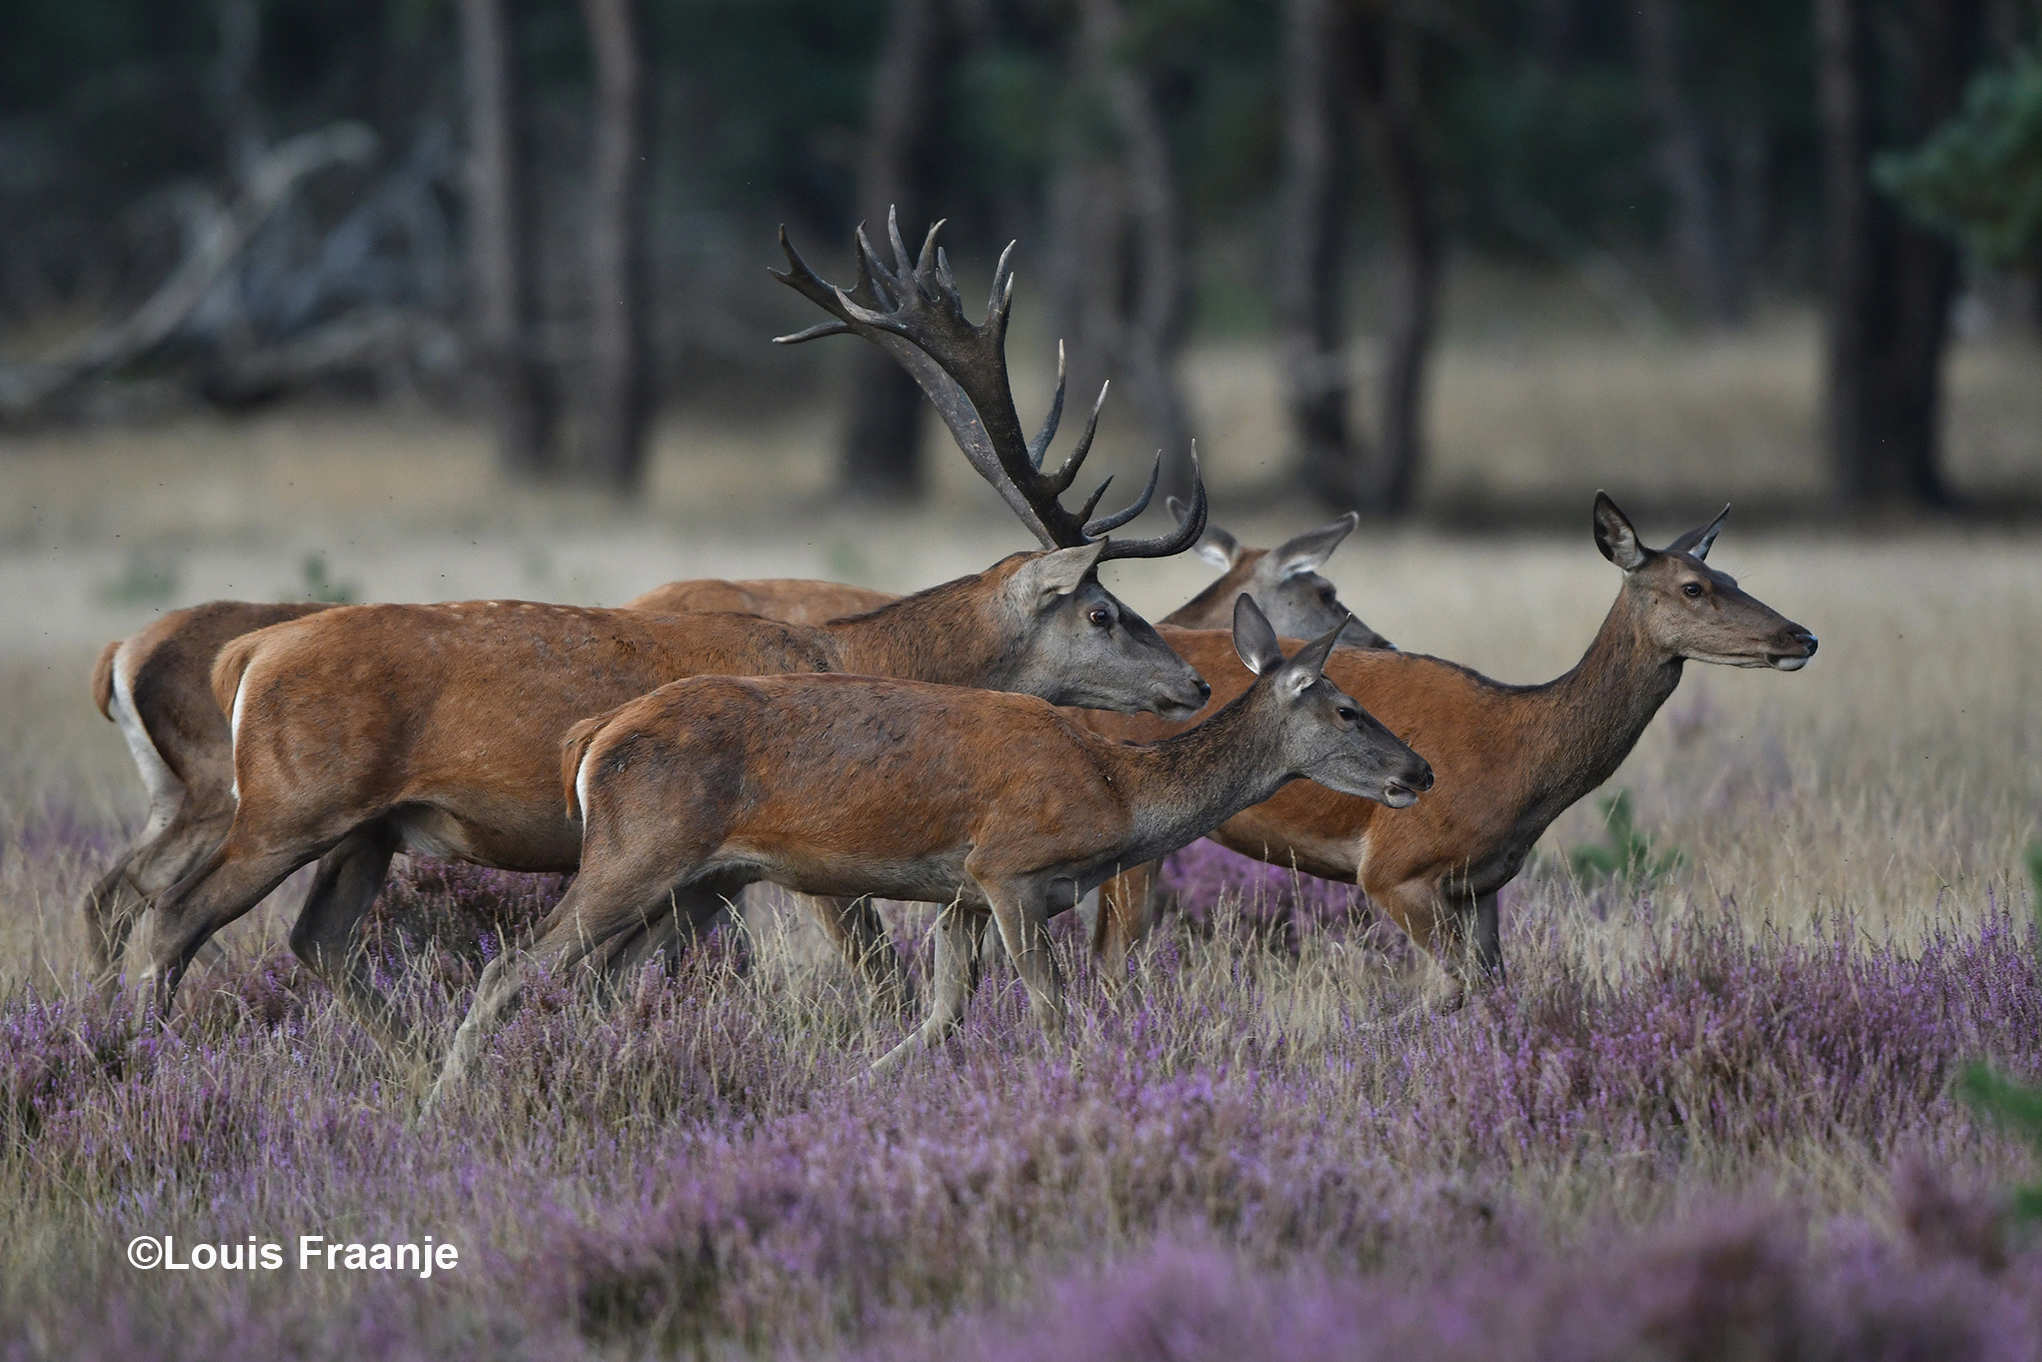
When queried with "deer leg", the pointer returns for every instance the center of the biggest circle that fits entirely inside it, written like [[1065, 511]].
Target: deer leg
[[1022, 912], [1488, 937], [959, 928], [1124, 916], [166, 854], [601, 906], [860, 936], [236, 877], [325, 934]]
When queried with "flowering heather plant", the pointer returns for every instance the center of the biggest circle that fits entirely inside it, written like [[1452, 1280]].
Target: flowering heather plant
[[1270, 898]]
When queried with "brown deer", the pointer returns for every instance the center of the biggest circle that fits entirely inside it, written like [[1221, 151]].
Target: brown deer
[[154, 684], [990, 803], [1509, 758], [361, 730], [1284, 583]]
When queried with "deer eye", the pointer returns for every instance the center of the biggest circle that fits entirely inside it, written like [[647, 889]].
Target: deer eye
[[1347, 714], [1692, 589], [1100, 616]]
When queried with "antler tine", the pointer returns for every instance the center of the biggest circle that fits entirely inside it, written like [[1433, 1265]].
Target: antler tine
[[1001, 295], [1039, 446], [1085, 512], [1164, 545], [1107, 523], [1067, 471]]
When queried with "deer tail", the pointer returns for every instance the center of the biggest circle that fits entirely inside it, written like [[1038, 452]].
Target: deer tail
[[102, 678]]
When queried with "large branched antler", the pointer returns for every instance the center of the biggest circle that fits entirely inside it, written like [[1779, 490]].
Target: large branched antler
[[914, 313]]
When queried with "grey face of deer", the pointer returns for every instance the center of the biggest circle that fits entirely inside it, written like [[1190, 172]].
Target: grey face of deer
[[1285, 580], [1324, 735], [1078, 645], [1691, 611]]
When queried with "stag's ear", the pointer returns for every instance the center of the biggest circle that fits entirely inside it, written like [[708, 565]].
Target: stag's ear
[[1615, 536], [1697, 542], [1309, 550], [1045, 577], [1310, 663], [1254, 640], [1216, 546]]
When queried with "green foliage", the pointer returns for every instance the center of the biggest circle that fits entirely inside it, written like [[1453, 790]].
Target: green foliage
[[1628, 856], [1979, 176], [144, 580], [319, 586]]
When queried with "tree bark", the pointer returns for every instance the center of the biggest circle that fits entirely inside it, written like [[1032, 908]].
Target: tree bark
[[1157, 290], [882, 451], [1308, 259], [1890, 284], [1701, 241], [618, 385], [514, 381], [1388, 83]]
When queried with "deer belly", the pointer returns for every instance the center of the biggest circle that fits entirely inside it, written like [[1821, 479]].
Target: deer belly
[[916, 879], [427, 831]]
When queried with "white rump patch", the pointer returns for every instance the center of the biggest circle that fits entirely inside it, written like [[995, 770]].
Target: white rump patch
[[166, 791], [581, 784], [234, 730]]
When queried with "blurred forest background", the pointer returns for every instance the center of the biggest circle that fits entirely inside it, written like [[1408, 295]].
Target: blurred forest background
[[552, 218]]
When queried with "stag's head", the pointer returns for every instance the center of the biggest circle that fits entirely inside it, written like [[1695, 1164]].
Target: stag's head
[[1688, 609], [1284, 581], [1074, 643], [1323, 734]]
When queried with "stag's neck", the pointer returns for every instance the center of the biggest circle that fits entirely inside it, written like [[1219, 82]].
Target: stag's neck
[[1585, 723], [1184, 786], [944, 635]]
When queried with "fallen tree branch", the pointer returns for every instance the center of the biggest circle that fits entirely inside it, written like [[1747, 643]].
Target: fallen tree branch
[[219, 243]]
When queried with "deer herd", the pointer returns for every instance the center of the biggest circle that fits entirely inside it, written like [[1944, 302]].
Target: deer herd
[[999, 746]]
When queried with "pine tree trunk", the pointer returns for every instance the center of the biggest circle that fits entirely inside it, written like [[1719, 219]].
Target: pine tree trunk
[[618, 385], [514, 379], [1308, 258], [882, 451], [1701, 242], [1388, 71], [1890, 284]]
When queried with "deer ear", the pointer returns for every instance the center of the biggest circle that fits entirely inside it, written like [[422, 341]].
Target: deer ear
[[1310, 663], [1615, 536], [1042, 579], [1216, 546], [1254, 640], [1697, 542], [1309, 550]]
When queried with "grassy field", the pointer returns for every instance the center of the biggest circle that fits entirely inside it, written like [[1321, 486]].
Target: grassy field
[[1711, 1116]]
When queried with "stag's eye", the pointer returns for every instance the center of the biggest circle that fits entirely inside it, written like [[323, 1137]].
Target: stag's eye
[[1328, 594], [1348, 714], [1100, 616], [1692, 589]]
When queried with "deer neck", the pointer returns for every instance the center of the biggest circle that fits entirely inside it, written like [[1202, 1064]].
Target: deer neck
[[1185, 785], [1591, 718], [943, 635]]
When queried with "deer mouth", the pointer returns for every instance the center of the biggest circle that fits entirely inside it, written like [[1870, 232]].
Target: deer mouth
[[1794, 662], [1398, 795]]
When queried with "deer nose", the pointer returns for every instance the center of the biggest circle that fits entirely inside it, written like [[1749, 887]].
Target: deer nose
[[1424, 781], [1808, 641]]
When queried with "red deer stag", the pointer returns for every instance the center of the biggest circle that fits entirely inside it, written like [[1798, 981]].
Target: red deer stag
[[991, 803], [1510, 759], [361, 730]]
